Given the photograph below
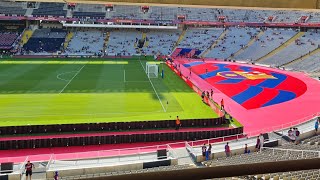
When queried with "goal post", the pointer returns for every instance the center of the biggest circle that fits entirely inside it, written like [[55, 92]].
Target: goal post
[[152, 70]]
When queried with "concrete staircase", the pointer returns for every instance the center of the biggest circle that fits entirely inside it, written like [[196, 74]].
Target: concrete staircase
[[29, 12], [144, 36], [183, 156], [303, 57], [106, 41], [26, 36], [248, 45], [67, 40], [214, 43], [180, 38], [280, 48]]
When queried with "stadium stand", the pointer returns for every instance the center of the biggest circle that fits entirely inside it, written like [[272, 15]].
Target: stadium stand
[[7, 39], [200, 38], [50, 9], [117, 173], [270, 40], [205, 14], [309, 64], [123, 42], [45, 41], [162, 13], [12, 8], [303, 45], [235, 39], [127, 12], [160, 42], [294, 175], [89, 42]]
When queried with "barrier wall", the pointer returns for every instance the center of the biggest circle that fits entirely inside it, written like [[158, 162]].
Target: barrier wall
[[114, 139], [104, 169], [112, 126], [223, 171]]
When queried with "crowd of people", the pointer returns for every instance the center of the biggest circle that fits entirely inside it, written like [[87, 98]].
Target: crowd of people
[[293, 134]]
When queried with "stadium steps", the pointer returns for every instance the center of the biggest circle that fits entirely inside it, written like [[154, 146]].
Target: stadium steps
[[248, 45], [222, 35], [281, 47], [67, 40], [29, 12], [183, 156], [106, 41], [26, 36], [144, 36], [181, 37], [303, 57]]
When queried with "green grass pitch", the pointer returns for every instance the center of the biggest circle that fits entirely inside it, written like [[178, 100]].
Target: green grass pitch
[[61, 91]]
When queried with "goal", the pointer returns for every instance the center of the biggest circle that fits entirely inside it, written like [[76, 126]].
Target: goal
[[152, 70]]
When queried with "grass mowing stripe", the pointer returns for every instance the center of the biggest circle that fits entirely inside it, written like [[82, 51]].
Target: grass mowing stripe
[[164, 109], [124, 75], [71, 79], [96, 94]]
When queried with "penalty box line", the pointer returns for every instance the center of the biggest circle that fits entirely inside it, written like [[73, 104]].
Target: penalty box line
[[164, 109], [72, 79]]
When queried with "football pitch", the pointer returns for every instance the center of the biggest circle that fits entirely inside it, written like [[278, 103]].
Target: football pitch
[[64, 91]]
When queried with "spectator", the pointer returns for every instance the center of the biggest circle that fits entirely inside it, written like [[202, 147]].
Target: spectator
[[202, 95], [227, 149], [316, 125], [204, 150], [258, 144], [261, 141], [208, 157], [56, 176], [222, 104], [291, 135], [246, 150], [28, 168], [178, 123]]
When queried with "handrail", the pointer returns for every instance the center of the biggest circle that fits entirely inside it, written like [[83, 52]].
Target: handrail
[[285, 149], [292, 150], [210, 139], [170, 149], [22, 165]]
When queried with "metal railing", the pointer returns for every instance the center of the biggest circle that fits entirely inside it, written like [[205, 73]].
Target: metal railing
[[303, 152]]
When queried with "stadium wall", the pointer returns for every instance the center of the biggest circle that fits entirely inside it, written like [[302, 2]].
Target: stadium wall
[[297, 4], [222, 171]]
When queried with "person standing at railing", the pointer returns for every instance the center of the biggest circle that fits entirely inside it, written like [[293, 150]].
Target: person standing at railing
[[56, 176], [258, 144], [222, 104], [316, 125], [227, 149], [208, 154], [28, 168], [178, 123], [204, 151]]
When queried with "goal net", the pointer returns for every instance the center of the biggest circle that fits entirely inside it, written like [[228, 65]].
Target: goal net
[[152, 70]]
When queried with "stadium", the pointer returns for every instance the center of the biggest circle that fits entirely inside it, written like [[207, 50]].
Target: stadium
[[148, 89]]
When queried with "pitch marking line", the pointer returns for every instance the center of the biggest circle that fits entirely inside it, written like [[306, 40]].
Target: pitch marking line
[[154, 89], [71, 79]]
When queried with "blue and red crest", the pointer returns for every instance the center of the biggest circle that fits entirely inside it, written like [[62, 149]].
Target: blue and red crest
[[252, 87]]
